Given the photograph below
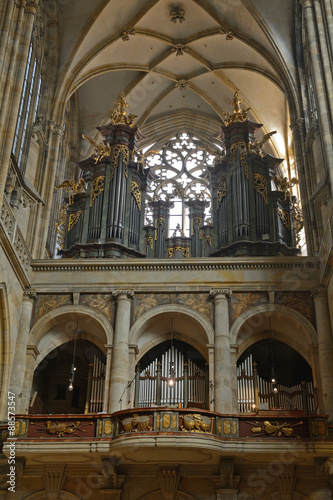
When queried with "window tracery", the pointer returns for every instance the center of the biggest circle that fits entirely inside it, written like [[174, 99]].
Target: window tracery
[[178, 173]]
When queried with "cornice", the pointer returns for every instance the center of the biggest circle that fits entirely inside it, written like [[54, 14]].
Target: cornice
[[158, 265]]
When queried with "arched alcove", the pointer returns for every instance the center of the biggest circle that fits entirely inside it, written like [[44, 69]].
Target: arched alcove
[[62, 380]]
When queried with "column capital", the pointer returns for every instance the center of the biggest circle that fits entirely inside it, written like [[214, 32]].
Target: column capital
[[29, 294], [123, 294], [319, 293], [306, 3], [217, 293]]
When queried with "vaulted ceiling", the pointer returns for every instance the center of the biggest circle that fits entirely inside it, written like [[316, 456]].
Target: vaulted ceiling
[[178, 72]]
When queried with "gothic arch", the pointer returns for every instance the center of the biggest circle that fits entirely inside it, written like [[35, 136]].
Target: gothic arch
[[254, 324], [154, 326], [58, 326]]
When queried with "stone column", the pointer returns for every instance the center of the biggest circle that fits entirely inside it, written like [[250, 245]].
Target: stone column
[[325, 344], [133, 352], [19, 361], [319, 84], [120, 355], [55, 133], [31, 355], [107, 378], [211, 375], [222, 362]]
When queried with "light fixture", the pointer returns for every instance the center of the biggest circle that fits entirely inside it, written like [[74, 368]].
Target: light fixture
[[73, 367]]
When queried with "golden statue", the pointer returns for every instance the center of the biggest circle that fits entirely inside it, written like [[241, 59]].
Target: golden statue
[[100, 150], [72, 188], [283, 184], [256, 146], [119, 115], [238, 114]]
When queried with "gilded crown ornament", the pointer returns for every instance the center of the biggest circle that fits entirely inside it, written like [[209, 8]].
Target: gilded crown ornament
[[119, 115], [238, 114]]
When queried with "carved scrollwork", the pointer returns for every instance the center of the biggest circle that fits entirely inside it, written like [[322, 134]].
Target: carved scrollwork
[[221, 191], [73, 218], [183, 250], [284, 216], [260, 185], [97, 188], [119, 148], [136, 192]]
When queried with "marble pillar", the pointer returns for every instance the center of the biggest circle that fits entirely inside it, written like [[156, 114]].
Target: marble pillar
[[222, 362], [120, 377], [325, 348]]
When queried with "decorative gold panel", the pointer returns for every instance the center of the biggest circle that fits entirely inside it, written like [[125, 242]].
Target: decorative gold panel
[[159, 222], [115, 155], [183, 250], [108, 427], [97, 188], [284, 216], [73, 218], [221, 191], [260, 185], [150, 242], [226, 427], [136, 192], [196, 223]]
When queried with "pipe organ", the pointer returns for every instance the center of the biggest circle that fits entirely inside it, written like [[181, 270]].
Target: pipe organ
[[233, 202], [254, 392], [171, 381]]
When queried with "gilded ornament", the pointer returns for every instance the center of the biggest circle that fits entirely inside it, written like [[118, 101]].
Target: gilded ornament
[[60, 226], [62, 428], [207, 241], [321, 428], [298, 222], [260, 185], [72, 188], [136, 192], [115, 155], [284, 185], [73, 218], [150, 242], [160, 225], [185, 251], [158, 421], [17, 428], [256, 146], [196, 224], [226, 427], [219, 427], [23, 428], [221, 191], [107, 427], [274, 428], [197, 423], [238, 114], [101, 150], [119, 115], [234, 427], [166, 420], [174, 421], [243, 155], [100, 427], [284, 216], [97, 188]]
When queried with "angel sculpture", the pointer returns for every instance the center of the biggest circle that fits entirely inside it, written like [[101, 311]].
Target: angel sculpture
[[141, 158], [284, 185], [256, 146], [100, 150], [72, 188]]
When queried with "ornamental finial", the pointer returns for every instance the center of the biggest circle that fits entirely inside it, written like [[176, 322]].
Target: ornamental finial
[[119, 115], [238, 114]]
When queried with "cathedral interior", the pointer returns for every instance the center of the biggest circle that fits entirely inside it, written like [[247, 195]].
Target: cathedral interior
[[166, 291]]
